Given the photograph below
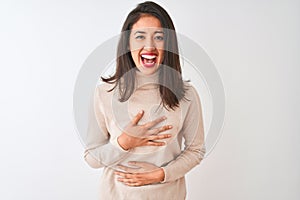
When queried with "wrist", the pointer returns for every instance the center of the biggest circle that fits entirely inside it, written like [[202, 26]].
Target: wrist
[[122, 142], [160, 175]]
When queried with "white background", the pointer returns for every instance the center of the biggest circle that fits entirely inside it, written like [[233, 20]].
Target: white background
[[255, 46]]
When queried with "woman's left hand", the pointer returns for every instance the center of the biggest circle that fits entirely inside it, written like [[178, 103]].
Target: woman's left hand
[[145, 174]]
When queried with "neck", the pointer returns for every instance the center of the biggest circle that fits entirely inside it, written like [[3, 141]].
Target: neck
[[144, 81]]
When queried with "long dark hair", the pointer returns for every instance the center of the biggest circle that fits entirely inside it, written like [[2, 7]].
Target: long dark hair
[[171, 86]]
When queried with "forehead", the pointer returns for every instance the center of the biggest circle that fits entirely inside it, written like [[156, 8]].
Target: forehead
[[146, 22]]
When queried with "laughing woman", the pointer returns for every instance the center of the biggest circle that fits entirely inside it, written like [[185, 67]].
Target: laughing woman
[[143, 112]]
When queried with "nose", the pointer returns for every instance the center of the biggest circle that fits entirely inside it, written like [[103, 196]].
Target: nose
[[149, 44]]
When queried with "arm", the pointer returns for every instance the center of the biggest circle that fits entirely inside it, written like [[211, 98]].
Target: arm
[[99, 151], [192, 155], [194, 148]]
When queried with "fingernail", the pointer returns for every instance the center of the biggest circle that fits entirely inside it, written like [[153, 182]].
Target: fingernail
[[164, 117], [170, 126], [141, 112]]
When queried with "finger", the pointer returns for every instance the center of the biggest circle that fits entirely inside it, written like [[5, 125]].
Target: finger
[[122, 174], [126, 180], [164, 128], [137, 118], [145, 166], [130, 182], [159, 130], [122, 167], [152, 143], [134, 184], [127, 175], [138, 164], [154, 122], [159, 137]]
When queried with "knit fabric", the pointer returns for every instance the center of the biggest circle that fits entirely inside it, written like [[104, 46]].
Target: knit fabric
[[109, 116]]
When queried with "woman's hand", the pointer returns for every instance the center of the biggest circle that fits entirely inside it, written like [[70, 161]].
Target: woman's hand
[[145, 174], [143, 134]]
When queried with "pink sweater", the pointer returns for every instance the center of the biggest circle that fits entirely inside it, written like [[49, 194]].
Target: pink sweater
[[103, 150]]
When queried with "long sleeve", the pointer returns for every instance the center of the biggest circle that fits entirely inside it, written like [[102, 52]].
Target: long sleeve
[[100, 151], [194, 147]]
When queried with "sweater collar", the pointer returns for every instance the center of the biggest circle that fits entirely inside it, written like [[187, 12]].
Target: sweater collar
[[144, 81]]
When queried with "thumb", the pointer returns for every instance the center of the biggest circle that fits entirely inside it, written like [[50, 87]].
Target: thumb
[[135, 163], [137, 118]]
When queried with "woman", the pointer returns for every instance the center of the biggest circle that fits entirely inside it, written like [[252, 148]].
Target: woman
[[143, 112]]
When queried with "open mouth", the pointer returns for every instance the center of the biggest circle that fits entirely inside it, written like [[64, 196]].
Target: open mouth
[[148, 60]]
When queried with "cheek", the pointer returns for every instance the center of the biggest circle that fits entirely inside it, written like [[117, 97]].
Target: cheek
[[135, 45], [135, 56], [134, 51], [161, 55]]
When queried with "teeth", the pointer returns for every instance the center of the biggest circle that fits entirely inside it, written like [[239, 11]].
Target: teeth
[[149, 56]]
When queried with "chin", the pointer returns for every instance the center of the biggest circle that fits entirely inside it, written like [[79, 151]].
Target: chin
[[147, 71]]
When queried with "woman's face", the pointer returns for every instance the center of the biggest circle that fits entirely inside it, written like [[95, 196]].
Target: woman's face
[[146, 44]]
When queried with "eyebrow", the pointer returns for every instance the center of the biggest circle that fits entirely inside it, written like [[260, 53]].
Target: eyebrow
[[143, 32], [159, 32]]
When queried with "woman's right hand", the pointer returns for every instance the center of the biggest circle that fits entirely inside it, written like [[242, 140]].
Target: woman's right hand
[[143, 134]]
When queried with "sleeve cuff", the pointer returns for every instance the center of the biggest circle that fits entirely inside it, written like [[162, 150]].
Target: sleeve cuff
[[165, 180], [117, 145]]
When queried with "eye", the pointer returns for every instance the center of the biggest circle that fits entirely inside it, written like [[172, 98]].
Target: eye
[[139, 37], [159, 37]]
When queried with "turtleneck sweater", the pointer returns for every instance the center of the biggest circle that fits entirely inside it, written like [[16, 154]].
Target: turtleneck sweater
[[108, 117]]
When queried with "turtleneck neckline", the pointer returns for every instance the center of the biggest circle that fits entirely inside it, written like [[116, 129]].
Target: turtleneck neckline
[[144, 81]]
